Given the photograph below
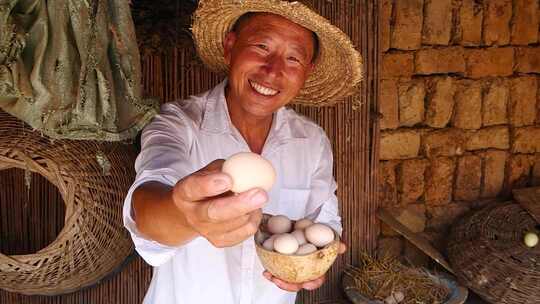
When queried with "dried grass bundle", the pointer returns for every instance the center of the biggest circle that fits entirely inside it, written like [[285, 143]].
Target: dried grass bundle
[[380, 278]]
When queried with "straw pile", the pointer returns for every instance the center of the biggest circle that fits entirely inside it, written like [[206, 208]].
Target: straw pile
[[380, 279]]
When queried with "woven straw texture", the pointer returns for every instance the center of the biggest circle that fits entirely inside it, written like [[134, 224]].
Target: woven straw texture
[[92, 178], [487, 252], [338, 70]]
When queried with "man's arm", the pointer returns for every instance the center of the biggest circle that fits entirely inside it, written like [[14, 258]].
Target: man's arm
[[153, 200]]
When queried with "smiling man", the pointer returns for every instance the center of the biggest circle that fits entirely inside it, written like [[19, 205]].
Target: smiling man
[[179, 211]]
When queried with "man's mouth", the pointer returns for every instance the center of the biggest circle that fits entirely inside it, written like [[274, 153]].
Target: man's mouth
[[262, 89]]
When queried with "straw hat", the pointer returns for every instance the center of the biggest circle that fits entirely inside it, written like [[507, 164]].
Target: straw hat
[[338, 69]]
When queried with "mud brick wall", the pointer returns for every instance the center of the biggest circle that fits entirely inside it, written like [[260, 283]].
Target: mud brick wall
[[460, 104]]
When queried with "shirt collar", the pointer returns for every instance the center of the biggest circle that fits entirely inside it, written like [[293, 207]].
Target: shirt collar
[[216, 117]]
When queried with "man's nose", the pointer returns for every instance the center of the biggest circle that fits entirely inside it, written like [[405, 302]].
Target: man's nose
[[274, 65]]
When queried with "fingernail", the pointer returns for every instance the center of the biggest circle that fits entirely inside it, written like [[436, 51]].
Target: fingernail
[[221, 184], [258, 197]]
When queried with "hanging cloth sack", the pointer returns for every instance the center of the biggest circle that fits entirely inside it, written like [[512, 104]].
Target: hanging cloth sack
[[71, 69]]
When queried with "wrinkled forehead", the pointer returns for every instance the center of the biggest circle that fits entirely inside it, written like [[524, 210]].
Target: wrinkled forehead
[[259, 21]]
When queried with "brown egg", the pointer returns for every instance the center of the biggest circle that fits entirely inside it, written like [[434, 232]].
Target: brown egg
[[278, 224]]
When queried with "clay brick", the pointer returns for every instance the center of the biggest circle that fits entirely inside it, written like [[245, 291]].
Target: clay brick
[[397, 65], [492, 137], [389, 104], [519, 172], [447, 142], [523, 101], [528, 60], [411, 102], [490, 62], [468, 106], [441, 218], [411, 180], [493, 172], [495, 104], [407, 31], [497, 22], [440, 102], [525, 22], [389, 247], [399, 145], [538, 101], [384, 25], [536, 171], [471, 14], [413, 217], [437, 22], [387, 183], [526, 140], [468, 178], [440, 61], [439, 181]]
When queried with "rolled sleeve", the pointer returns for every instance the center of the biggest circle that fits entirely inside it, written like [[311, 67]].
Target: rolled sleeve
[[163, 158], [151, 251]]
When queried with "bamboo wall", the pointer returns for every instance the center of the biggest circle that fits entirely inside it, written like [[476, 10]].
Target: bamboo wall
[[176, 75]]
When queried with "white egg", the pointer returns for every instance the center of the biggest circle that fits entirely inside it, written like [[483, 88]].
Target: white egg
[[306, 249], [279, 224], [399, 296], [299, 235], [319, 234], [530, 239], [390, 300], [285, 243], [302, 224], [249, 170], [268, 244]]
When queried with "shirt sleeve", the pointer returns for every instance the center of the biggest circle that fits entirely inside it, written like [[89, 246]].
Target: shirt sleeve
[[165, 144], [323, 204]]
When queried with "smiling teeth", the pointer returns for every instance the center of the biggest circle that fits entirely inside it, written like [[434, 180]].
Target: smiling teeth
[[263, 90]]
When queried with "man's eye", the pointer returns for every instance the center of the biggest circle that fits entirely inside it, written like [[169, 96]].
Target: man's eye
[[293, 59], [262, 47]]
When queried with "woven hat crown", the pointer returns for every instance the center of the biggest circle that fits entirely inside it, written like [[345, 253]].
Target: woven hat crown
[[338, 69]]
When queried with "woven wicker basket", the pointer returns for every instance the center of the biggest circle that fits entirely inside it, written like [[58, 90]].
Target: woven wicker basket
[[92, 178], [487, 253]]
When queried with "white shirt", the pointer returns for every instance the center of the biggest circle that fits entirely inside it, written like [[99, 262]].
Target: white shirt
[[185, 137]]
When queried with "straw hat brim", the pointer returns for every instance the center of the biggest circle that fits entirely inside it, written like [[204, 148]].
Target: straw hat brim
[[338, 69]]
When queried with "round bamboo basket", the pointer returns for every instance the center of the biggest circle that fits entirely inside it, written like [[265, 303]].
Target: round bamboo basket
[[92, 178], [487, 252]]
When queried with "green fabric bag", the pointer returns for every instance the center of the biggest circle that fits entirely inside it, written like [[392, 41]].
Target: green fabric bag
[[71, 69]]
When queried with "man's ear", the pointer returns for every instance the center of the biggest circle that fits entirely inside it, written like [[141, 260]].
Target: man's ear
[[310, 68], [228, 44]]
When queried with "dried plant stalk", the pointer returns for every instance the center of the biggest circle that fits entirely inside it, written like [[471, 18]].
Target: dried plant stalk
[[379, 278]]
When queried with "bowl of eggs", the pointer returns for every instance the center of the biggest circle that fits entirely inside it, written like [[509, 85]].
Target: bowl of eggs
[[295, 251]]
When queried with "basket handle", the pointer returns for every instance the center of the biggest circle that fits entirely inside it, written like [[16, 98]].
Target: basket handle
[[8, 264]]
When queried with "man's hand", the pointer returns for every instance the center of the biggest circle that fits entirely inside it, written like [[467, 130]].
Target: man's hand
[[295, 287], [223, 218]]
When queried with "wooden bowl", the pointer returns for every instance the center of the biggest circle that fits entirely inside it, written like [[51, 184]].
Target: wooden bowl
[[297, 268]]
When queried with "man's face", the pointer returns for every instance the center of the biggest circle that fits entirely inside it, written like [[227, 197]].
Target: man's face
[[269, 59]]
